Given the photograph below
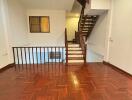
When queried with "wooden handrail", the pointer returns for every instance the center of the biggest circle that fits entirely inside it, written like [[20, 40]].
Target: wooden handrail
[[66, 46], [82, 2], [81, 15]]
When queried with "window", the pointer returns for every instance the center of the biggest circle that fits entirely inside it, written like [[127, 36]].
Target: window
[[39, 24]]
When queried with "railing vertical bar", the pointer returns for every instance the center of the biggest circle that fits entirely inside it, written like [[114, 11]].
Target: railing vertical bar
[[25, 56], [44, 55], [62, 55], [48, 54], [52, 53], [36, 57], [21, 56], [18, 56], [29, 55], [40, 56], [14, 57], [48, 57], [33, 55], [59, 55], [55, 54]]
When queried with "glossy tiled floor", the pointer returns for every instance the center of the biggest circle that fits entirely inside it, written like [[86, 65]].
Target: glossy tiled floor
[[57, 82]]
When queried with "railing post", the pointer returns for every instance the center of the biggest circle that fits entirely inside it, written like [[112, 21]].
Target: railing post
[[14, 55], [66, 46], [85, 55]]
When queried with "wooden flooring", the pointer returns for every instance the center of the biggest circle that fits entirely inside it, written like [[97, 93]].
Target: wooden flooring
[[58, 82]]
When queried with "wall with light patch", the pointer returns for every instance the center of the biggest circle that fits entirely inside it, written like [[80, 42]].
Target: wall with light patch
[[72, 26]]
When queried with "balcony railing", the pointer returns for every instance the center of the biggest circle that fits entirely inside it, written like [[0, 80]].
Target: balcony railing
[[38, 55]]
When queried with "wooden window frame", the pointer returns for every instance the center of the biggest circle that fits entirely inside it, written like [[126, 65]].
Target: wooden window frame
[[39, 24]]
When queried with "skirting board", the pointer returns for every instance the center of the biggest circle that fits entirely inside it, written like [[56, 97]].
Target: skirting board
[[118, 69], [6, 67]]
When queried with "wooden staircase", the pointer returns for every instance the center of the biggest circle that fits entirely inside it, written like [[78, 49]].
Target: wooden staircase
[[86, 24], [75, 54]]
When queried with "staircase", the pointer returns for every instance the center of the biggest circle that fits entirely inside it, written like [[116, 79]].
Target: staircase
[[75, 54], [86, 24]]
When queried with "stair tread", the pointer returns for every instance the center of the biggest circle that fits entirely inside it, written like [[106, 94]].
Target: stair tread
[[75, 54], [75, 47], [73, 44], [75, 58], [75, 61], [75, 64], [74, 50]]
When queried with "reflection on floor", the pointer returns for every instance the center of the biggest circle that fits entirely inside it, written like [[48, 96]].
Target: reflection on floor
[[59, 82]]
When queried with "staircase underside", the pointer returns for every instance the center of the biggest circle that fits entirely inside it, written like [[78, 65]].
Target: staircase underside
[[86, 24]]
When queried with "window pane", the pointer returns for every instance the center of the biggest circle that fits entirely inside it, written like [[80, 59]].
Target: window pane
[[34, 20], [45, 24], [35, 28]]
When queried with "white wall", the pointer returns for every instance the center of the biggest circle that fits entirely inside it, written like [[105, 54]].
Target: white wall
[[13, 30], [17, 21], [100, 4], [97, 7], [96, 41], [17, 30], [93, 56], [112, 34], [121, 35], [57, 28], [72, 26], [3, 43]]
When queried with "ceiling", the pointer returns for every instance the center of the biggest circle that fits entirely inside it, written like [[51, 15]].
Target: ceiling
[[76, 10], [49, 4]]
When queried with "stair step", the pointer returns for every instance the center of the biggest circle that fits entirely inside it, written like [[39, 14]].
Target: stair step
[[73, 45], [75, 61], [87, 26], [84, 31], [86, 23], [75, 56], [74, 52], [74, 49]]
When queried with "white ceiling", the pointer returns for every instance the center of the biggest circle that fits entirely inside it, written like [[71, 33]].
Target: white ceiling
[[49, 4]]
